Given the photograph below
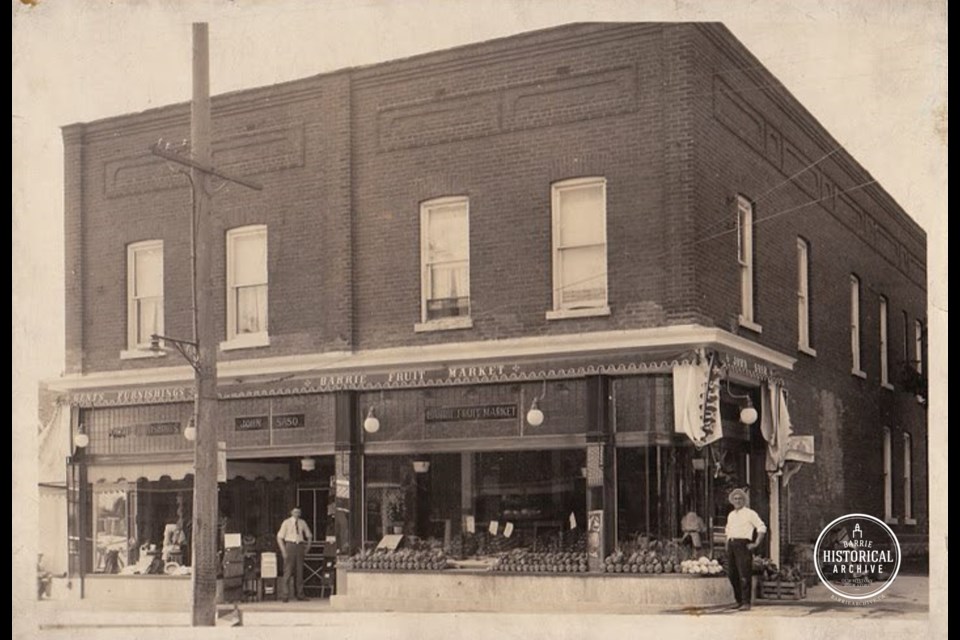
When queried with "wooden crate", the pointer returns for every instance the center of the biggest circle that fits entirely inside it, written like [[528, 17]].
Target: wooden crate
[[781, 590]]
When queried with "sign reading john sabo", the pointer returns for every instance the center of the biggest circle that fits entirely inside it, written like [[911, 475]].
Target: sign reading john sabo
[[463, 414], [256, 423]]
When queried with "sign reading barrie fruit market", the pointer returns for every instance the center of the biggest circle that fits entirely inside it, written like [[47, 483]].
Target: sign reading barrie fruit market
[[460, 414]]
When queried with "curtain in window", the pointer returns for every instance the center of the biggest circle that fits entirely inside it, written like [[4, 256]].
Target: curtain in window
[[447, 262], [250, 282], [582, 251], [148, 292]]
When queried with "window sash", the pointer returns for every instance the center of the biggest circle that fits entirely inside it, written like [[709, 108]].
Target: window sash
[[803, 294], [745, 256], [907, 476], [251, 309], [855, 322], [579, 217], [144, 293], [445, 258], [583, 277], [887, 475], [884, 352], [918, 346], [247, 281]]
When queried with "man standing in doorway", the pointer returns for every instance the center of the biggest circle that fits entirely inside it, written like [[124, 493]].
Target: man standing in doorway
[[293, 538], [742, 522]]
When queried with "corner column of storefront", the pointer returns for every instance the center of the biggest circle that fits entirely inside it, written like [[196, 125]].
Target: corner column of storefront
[[348, 449]]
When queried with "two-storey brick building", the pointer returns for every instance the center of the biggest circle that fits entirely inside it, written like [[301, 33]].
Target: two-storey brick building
[[519, 265]]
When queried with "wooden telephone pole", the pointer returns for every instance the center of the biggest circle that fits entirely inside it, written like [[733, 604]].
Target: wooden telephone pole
[[202, 350]]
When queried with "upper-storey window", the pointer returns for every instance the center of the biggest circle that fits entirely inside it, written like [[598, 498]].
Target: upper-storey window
[[888, 476], [855, 336], [445, 263], [144, 293], [884, 344], [803, 296], [247, 287], [579, 209], [918, 346], [745, 258]]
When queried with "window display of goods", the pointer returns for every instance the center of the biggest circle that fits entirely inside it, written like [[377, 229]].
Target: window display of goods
[[641, 561], [400, 560], [702, 566], [519, 561]]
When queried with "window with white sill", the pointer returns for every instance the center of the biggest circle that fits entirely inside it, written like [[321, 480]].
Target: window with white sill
[[579, 217], [445, 260], [247, 283], [745, 259], [855, 335], [144, 293]]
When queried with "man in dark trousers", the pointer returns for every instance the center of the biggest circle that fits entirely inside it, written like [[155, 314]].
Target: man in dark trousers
[[293, 538], [742, 522]]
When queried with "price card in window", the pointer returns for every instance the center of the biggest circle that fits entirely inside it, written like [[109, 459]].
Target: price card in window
[[573, 520], [508, 530], [494, 527], [470, 524]]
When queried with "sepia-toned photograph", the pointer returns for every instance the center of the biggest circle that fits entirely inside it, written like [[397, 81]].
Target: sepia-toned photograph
[[439, 319]]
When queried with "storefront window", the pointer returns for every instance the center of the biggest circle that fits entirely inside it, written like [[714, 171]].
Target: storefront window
[[111, 532], [414, 495], [541, 495], [478, 503], [656, 487]]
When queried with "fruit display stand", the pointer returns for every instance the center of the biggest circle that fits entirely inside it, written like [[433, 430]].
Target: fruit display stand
[[524, 580]]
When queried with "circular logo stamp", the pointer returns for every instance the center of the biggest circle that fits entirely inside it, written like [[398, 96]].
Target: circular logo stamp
[[857, 556]]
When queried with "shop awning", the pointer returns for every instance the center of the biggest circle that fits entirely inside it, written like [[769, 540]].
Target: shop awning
[[133, 471]]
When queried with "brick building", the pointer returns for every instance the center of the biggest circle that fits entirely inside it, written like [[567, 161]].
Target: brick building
[[582, 218]]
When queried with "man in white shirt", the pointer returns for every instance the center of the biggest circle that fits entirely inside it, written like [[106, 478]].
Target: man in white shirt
[[742, 522], [293, 538]]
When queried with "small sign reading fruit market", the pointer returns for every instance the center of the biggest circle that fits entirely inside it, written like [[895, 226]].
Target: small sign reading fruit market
[[481, 412]]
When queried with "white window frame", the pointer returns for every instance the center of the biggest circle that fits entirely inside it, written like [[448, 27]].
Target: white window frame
[[885, 344], [855, 331], [141, 348], [440, 324], [560, 310], [745, 258], [918, 346], [908, 480], [888, 477], [803, 297], [245, 340]]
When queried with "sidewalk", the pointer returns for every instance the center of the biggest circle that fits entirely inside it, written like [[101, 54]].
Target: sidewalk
[[906, 600]]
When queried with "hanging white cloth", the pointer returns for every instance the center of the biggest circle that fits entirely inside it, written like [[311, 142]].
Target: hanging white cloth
[[696, 401]]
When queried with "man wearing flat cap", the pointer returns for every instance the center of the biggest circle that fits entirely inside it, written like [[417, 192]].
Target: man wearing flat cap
[[742, 523]]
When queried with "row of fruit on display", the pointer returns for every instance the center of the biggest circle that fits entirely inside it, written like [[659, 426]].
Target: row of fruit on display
[[520, 561], [659, 562], [400, 560]]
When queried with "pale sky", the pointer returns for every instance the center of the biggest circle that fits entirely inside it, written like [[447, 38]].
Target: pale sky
[[873, 72]]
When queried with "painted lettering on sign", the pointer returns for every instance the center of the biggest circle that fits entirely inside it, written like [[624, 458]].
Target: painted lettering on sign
[[482, 371], [291, 421], [459, 414], [408, 376], [254, 423], [163, 428]]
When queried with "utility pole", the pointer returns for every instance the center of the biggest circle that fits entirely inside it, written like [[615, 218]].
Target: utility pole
[[205, 514], [201, 352]]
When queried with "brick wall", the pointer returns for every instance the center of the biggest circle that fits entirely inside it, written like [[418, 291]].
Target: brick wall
[[679, 119], [753, 139]]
